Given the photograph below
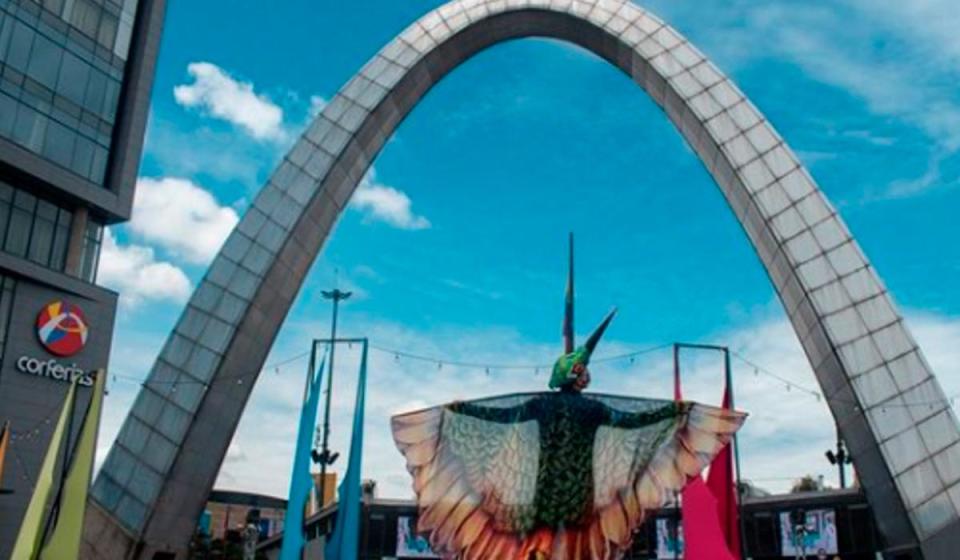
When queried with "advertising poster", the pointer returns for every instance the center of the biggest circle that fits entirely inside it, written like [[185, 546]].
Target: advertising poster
[[409, 544], [820, 534], [669, 539]]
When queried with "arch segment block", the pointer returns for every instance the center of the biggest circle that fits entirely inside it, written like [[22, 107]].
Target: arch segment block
[[154, 483]]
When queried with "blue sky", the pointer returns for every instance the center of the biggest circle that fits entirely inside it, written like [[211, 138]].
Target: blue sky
[[455, 246]]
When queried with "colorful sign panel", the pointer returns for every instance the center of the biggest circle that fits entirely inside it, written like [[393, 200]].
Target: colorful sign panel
[[62, 328], [818, 535], [409, 544]]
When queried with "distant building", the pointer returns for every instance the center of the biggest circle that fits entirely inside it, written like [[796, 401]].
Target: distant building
[[228, 510], [75, 81], [841, 517]]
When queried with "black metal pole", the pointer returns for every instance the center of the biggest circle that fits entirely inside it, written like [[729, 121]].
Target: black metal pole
[[336, 295], [841, 461]]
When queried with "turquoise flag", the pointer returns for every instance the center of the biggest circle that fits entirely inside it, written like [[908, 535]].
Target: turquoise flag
[[300, 479], [344, 543]]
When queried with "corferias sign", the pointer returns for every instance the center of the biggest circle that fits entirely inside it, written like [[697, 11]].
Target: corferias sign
[[62, 330]]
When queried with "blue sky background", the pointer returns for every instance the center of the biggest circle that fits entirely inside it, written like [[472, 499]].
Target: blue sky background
[[527, 141]]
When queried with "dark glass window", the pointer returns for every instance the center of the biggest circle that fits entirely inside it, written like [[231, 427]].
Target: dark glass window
[[21, 40], [34, 228], [6, 201], [60, 86], [6, 27], [6, 306], [29, 127], [85, 17], [61, 239], [21, 219], [74, 74], [110, 99], [98, 165], [45, 61], [8, 113], [108, 31], [82, 156], [91, 250], [55, 6], [96, 90], [41, 238], [58, 145]]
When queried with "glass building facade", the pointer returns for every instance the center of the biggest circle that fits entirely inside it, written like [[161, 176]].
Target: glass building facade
[[75, 81]]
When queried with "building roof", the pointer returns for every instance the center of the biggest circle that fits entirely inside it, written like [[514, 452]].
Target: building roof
[[239, 498]]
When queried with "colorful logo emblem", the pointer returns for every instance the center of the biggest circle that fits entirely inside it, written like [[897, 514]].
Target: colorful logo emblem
[[62, 328]]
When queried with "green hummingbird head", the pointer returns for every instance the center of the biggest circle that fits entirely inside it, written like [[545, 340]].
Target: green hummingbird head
[[572, 366]]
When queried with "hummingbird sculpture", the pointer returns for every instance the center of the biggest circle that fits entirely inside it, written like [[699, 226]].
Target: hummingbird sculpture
[[553, 475]]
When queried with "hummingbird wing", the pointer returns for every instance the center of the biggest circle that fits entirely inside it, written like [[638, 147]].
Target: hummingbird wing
[[475, 478], [637, 470]]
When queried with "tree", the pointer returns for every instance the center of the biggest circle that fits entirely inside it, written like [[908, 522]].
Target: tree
[[806, 484]]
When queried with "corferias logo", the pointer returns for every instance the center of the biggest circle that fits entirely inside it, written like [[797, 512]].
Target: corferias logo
[[62, 328]]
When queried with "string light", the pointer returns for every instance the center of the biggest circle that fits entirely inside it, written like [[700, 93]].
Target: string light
[[630, 357]]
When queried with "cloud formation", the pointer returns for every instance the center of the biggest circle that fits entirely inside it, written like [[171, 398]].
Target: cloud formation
[[134, 272], [182, 217], [383, 203], [219, 94]]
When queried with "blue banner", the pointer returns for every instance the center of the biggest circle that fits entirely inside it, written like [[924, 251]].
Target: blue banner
[[300, 479], [344, 543]]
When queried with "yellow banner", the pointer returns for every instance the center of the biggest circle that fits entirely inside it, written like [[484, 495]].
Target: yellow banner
[[31, 528]]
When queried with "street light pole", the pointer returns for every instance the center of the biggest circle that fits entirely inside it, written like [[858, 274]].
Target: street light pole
[[325, 457], [840, 458]]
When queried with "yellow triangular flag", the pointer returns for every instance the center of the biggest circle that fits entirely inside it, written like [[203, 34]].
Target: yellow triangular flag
[[31, 528], [65, 540]]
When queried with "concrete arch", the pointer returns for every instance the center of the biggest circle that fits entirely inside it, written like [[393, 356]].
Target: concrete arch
[[158, 473]]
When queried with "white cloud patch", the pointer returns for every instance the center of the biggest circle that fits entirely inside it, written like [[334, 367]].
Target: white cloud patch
[[134, 272], [317, 104], [383, 203], [222, 96], [182, 217]]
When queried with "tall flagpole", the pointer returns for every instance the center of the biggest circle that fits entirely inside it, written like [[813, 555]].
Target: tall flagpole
[[326, 458]]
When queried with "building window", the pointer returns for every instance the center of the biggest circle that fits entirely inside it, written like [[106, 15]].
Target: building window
[[60, 96], [91, 250], [33, 228], [6, 307]]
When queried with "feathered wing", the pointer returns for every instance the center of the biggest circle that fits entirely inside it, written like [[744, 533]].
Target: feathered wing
[[636, 471], [475, 479]]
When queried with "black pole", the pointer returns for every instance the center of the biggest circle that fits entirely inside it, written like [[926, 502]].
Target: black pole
[[841, 461], [336, 295]]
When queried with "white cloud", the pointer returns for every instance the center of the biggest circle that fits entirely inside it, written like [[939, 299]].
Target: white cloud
[[317, 104], [181, 216], [222, 96], [383, 203], [899, 57], [134, 272]]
